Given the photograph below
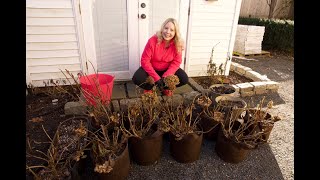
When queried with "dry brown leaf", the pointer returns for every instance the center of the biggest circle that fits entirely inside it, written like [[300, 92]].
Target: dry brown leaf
[[36, 119]]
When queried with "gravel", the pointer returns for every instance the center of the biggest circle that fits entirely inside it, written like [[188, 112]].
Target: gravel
[[280, 69], [273, 160]]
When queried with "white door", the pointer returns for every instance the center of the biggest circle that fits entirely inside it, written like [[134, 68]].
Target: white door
[[122, 28]]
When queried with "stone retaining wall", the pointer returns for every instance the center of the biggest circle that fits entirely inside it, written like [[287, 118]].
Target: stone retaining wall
[[261, 85]]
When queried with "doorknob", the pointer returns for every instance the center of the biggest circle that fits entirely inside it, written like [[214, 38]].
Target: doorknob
[[143, 16], [143, 5]]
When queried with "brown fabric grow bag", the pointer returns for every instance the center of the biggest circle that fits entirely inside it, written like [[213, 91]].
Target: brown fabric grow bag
[[187, 149], [230, 151], [120, 169], [206, 124], [148, 150]]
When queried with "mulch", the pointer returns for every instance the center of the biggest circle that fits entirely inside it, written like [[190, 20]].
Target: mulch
[[44, 112], [234, 78]]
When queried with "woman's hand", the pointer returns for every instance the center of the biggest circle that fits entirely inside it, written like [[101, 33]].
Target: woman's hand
[[160, 84]]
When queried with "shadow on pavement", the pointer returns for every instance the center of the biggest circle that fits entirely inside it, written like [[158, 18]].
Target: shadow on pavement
[[260, 164]]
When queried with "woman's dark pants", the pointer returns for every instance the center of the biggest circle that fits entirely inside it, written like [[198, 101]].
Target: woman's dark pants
[[140, 76]]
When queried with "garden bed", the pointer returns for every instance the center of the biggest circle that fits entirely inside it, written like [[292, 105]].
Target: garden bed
[[235, 78]]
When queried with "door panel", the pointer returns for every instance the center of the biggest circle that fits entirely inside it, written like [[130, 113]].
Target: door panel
[[159, 11], [110, 20]]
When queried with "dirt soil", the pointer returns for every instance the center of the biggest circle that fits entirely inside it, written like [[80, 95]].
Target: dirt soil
[[234, 78], [44, 112]]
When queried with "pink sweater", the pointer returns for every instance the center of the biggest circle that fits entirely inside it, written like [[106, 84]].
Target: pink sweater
[[156, 57]]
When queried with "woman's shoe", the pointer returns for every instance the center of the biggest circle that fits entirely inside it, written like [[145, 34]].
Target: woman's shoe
[[147, 91], [167, 92]]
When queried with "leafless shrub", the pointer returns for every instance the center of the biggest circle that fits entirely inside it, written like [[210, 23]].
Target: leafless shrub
[[106, 147], [66, 148], [248, 127], [141, 117], [180, 120]]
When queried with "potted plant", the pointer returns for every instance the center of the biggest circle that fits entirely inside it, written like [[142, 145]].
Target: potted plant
[[109, 153], [210, 117], [241, 132], [264, 120], [145, 139], [185, 134]]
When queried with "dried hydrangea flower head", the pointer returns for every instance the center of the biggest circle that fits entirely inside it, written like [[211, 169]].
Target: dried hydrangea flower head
[[204, 101], [115, 117], [171, 81], [150, 99], [218, 116], [81, 131], [79, 155], [106, 167], [134, 111]]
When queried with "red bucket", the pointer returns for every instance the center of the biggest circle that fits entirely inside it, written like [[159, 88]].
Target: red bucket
[[97, 88]]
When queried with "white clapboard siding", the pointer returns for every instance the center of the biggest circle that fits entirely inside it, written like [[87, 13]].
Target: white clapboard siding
[[206, 56], [205, 35], [53, 53], [50, 30], [208, 42], [202, 61], [49, 13], [206, 49], [50, 61], [215, 23], [213, 16], [61, 81], [201, 67], [220, 29], [214, 10], [54, 68], [50, 21], [211, 23], [51, 75], [195, 73], [52, 46], [49, 4], [51, 38], [51, 41]]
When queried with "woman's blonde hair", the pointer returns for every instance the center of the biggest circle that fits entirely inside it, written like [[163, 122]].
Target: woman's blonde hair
[[177, 37]]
